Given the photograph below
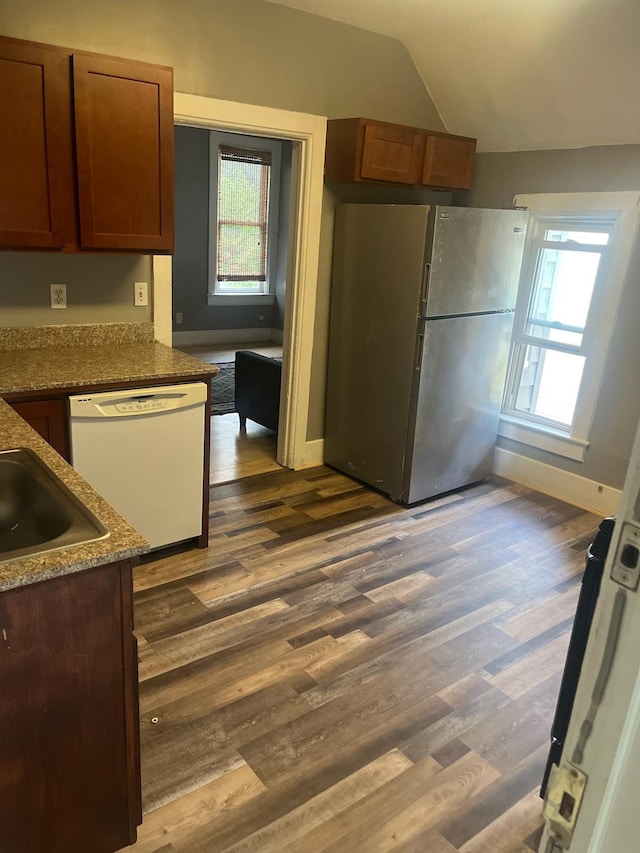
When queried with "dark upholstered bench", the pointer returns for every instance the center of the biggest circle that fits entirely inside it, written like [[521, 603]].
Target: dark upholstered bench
[[258, 389]]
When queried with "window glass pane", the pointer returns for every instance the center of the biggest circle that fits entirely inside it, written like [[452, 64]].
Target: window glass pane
[[242, 227], [593, 238], [240, 287], [561, 296], [549, 384]]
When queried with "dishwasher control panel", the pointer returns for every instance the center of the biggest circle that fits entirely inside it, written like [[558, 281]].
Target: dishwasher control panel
[[150, 403]]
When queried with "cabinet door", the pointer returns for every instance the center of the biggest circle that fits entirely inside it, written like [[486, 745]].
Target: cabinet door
[[32, 144], [391, 154], [448, 162], [124, 146], [48, 418], [68, 715]]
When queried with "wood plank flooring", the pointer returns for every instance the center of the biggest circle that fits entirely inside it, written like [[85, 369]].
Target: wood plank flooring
[[337, 673], [237, 453]]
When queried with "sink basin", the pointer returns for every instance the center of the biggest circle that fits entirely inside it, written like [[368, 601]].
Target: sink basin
[[38, 513]]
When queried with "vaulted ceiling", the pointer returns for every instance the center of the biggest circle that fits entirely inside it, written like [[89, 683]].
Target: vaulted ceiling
[[517, 74]]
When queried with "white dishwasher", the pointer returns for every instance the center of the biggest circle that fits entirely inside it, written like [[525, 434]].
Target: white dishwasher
[[143, 451]]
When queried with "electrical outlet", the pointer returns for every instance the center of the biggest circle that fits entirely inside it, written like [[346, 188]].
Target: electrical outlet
[[58, 295], [140, 293], [178, 318]]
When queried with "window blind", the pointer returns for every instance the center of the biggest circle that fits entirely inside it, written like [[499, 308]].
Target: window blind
[[243, 205]]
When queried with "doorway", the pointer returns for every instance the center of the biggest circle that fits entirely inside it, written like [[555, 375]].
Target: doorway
[[230, 271], [307, 133]]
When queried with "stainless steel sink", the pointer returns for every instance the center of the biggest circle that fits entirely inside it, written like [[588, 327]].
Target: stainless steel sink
[[38, 513]]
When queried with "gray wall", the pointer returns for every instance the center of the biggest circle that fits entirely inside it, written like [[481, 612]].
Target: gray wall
[[99, 288], [246, 50], [290, 60], [499, 177], [191, 256]]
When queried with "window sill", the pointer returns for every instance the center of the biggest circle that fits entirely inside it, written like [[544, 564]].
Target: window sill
[[240, 299], [542, 437]]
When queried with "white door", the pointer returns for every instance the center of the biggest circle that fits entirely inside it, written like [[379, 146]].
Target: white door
[[607, 820]]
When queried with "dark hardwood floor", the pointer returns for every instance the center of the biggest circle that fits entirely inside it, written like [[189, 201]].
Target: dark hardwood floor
[[336, 673]]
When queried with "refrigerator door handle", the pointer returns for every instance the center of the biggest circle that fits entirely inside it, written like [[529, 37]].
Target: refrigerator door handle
[[425, 285], [419, 351]]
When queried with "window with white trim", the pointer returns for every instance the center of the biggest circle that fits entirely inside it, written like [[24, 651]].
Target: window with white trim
[[574, 265], [243, 218]]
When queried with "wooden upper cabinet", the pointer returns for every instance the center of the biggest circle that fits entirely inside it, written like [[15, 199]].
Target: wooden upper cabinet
[[448, 162], [391, 154], [86, 151], [31, 143], [360, 149], [124, 147]]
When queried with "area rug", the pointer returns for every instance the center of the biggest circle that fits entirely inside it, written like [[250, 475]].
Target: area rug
[[223, 390]]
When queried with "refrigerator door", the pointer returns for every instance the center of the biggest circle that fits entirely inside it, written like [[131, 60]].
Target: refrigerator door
[[456, 404], [475, 258], [377, 279]]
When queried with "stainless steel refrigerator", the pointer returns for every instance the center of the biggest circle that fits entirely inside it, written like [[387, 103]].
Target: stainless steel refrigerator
[[422, 302]]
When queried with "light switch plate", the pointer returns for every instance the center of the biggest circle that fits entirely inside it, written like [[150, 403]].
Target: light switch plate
[[140, 293]]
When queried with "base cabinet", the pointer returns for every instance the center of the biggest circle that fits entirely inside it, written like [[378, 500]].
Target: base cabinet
[[49, 419], [69, 751]]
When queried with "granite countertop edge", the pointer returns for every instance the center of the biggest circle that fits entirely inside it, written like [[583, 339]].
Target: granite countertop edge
[[122, 543], [51, 368]]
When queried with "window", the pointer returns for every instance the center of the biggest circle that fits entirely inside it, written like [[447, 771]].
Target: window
[[573, 269], [244, 186]]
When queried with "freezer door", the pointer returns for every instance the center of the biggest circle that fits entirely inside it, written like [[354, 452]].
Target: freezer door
[[375, 292], [457, 404], [475, 258]]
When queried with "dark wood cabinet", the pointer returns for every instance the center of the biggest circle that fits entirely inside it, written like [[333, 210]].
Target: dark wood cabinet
[[391, 154], [31, 146], [49, 419], [448, 162], [69, 750], [124, 147], [86, 153], [360, 149]]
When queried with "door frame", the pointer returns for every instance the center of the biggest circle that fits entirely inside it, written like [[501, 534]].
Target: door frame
[[307, 179]]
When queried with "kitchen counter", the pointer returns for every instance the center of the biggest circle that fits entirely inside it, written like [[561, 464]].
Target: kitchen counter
[[50, 368], [122, 543], [65, 358]]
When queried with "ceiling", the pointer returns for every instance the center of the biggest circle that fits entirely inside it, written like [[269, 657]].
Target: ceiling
[[517, 74]]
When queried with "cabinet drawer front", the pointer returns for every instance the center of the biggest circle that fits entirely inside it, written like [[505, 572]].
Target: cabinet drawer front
[[124, 143], [391, 154], [30, 146], [448, 163]]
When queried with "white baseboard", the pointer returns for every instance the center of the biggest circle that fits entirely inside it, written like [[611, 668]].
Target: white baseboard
[[313, 454], [221, 336], [277, 336], [572, 488]]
